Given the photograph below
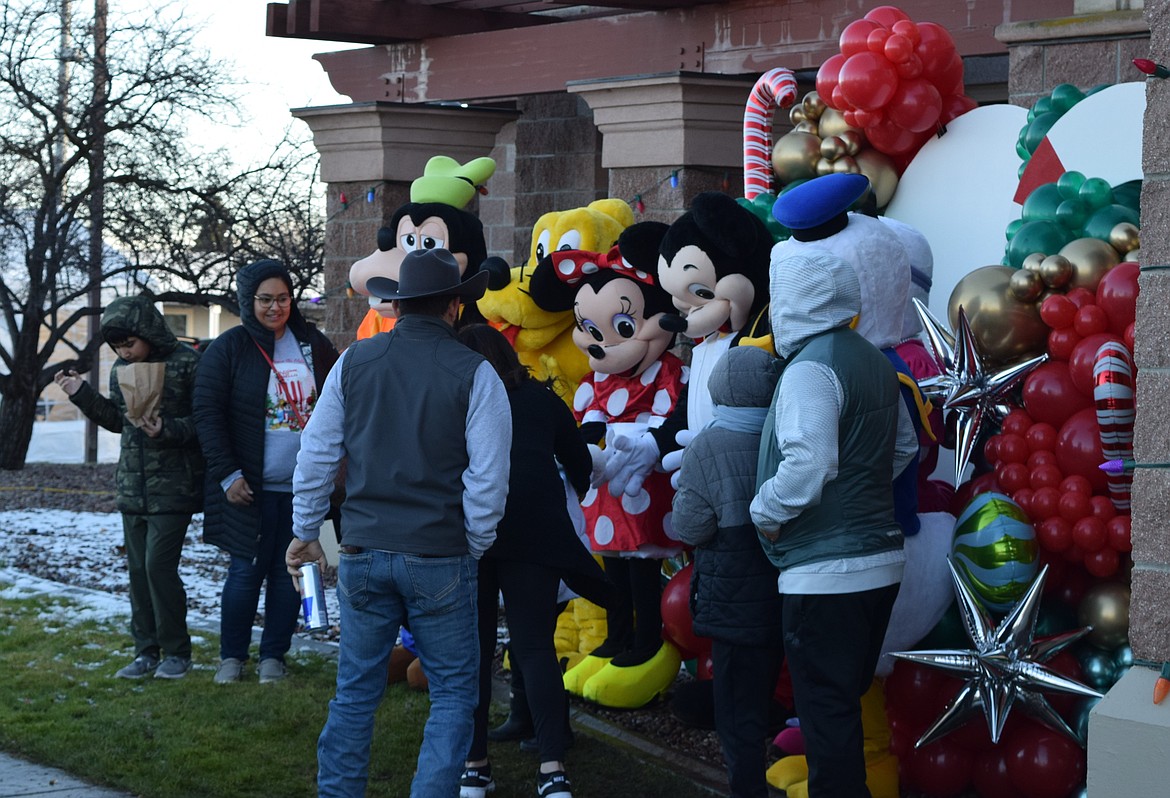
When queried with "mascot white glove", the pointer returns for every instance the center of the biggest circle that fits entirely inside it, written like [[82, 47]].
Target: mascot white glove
[[600, 458], [672, 461], [631, 460]]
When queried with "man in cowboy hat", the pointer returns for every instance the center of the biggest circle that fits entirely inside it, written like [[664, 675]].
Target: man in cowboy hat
[[425, 426]]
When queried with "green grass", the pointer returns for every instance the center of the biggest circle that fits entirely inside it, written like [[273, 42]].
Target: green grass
[[60, 706]]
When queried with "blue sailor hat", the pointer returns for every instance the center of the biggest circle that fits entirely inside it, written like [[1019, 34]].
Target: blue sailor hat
[[817, 201]]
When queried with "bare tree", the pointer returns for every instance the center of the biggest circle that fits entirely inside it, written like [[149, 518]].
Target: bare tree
[[179, 220]]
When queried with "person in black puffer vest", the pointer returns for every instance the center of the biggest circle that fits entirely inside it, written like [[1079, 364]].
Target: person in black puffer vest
[[256, 388]]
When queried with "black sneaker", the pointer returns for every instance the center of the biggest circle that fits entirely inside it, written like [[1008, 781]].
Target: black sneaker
[[476, 782], [555, 783]]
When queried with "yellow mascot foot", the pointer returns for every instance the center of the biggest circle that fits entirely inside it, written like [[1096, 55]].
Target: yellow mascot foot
[[636, 685], [576, 676], [787, 773]]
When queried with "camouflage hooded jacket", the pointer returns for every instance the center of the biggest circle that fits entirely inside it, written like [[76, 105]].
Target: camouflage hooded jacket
[[155, 475]]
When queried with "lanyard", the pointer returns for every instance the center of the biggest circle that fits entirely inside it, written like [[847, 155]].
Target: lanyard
[[283, 386]]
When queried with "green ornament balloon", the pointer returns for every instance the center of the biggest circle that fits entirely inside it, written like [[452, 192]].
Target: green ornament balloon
[[1013, 227], [1129, 194], [1070, 184], [1096, 193], [1071, 214], [1065, 96], [1037, 129], [1036, 236], [1042, 203], [1101, 222], [995, 549]]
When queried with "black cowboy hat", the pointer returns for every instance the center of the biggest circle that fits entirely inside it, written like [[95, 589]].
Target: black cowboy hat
[[429, 272]]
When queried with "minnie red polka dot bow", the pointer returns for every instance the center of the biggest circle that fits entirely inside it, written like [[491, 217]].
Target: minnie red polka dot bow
[[572, 265]]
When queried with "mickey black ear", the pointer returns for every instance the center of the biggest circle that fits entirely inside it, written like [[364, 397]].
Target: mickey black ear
[[385, 239], [639, 244], [499, 275], [729, 226], [547, 290]]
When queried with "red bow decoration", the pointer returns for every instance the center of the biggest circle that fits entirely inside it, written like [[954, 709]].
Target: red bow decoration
[[573, 265]]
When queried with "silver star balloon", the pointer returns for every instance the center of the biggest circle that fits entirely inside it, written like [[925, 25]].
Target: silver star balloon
[[964, 384], [1005, 667]]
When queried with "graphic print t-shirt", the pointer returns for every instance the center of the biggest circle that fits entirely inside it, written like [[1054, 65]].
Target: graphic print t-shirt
[[282, 427]]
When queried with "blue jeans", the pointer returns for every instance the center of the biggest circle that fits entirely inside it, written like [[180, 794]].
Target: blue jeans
[[434, 597], [241, 589]]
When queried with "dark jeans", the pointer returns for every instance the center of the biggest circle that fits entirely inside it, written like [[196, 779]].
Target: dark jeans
[[832, 643], [745, 678], [158, 600], [530, 600], [241, 590]]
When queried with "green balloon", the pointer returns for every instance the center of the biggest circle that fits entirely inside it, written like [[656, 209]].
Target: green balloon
[[1037, 129], [1042, 203], [1098, 669], [1101, 223], [1013, 227], [1042, 106], [1021, 150], [1097, 88], [1071, 214], [1096, 193], [1129, 194], [1036, 236], [1065, 96], [1070, 184]]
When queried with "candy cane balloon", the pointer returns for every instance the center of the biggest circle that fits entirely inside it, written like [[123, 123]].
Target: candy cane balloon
[[1113, 394], [775, 87]]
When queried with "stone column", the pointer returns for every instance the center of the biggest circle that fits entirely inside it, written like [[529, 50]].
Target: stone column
[[668, 137], [370, 153]]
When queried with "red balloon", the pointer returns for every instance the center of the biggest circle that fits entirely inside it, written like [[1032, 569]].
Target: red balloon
[[1050, 395], [1084, 357], [1081, 296], [866, 118], [1045, 476], [827, 77], [1117, 296], [1073, 586], [876, 41], [1088, 533], [1075, 554], [1045, 503], [1062, 342], [955, 106], [1054, 534], [1118, 530], [1129, 337], [1057, 311], [1042, 456], [840, 102], [941, 769], [1017, 422], [704, 666], [868, 80], [990, 775], [910, 68], [1023, 497], [1043, 763], [916, 105], [984, 483], [1012, 448], [935, 46], [949, 79], [897, 49], [1040, 437], [894, 140], [1090, 319], [1074, 506], [1013, 477], [855, 36], [887, 16], [907, 28], [1078, 448], [1077, 484], [677, 623], [1103, 563], [991, 449], [1103, 508]]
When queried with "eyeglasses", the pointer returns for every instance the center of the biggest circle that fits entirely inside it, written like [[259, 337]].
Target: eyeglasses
[[284, 300]]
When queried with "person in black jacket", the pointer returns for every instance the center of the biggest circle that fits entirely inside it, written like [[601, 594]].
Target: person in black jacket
[[536, 547], [733, 588], [254, 392]]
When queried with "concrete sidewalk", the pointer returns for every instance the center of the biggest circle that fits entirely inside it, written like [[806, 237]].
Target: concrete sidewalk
[[21, 778]]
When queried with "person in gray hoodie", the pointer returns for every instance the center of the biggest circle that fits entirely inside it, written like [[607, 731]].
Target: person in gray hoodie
[[825, 507], [733, 586]]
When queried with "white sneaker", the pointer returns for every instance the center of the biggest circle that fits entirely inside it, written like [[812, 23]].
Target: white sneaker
[[229, 670]]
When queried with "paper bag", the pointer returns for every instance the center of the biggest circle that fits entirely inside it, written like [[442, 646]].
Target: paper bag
[[141, 385]]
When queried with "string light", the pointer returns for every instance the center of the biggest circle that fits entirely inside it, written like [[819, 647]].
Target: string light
[[1151, 68], [344, 200], [370, 195], [638, 204], [674, 179], [1121, 465]]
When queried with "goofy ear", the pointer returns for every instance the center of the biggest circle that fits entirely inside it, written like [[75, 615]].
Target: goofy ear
[[547, 290], [386, 240], [726, 224], [639, 244]]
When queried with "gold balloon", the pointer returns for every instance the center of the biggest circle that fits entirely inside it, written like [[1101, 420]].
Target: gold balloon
[[1124, 237], [832, 148], [795, 156], [796, 115], [1055, 271], [813, 105], [831, 123], [1006, 330], [853, 140], [1134, 256], [845, 164], [807, 126], [883, 177], [1091, 258], [1033, 261], [824, 167], [1105, 607], [1026, 285]]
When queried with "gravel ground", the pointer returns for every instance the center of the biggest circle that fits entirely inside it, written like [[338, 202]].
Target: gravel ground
[[89, 488]]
